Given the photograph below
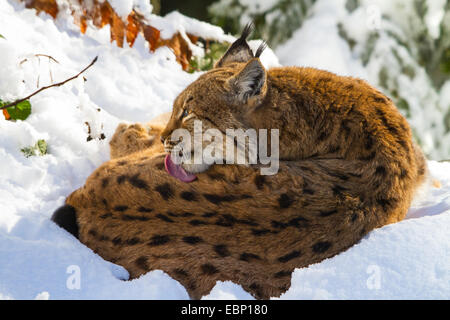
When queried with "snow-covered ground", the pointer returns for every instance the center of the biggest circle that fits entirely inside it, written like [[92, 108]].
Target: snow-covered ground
[[410, 259]]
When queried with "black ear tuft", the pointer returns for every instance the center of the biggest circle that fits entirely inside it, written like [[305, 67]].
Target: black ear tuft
[[260, 49], [66, 218], [247, 30], [239, 51]]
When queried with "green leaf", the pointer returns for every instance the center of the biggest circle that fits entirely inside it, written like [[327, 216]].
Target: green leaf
[[20, 111], [39, 149], [2, 37], [42, 146]]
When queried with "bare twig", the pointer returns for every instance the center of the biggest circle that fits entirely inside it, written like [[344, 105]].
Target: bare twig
[[47, 56], [47, 87]]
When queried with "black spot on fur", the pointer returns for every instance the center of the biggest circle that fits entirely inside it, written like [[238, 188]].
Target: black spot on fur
[[192, 285], [328, 213], [368, 142], [338, 175], [106, 215], [132, 241], [385, 203], [257, 290], [92, 232], [165, 190], [196, 222], [393, 130], [285, 201], [216, 199], [188, 196], [129, 217], [292, 255], [105, 202], [248, 256], [248, 222], [120, 208], [323, 135], [141, 262], [144, 209], [222, 250], [260, 232], [186, 214], [379, 99], [349, 87], [403, 173], [337, 190], [105, 182], [192, 239], [122, 163], [323, 80], [226, 220], [183, 214], [117, 241], [259, 181], [209, 269], [209, 214], [121, 179], [279, 224], [354, 217], [164, 217], [298, 222], [138, 183], [308, 191], [66, 218], [181, 272], [282, 274], [345, 127], [158, 240], [380, 113], [321, 247], [380, 170]]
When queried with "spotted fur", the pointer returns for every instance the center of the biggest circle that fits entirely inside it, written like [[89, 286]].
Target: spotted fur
[[356, 169]]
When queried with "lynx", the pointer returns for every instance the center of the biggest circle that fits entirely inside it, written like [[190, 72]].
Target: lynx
[[348, 165]]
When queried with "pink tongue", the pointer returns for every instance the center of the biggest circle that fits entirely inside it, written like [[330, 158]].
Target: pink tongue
[[177, 171]]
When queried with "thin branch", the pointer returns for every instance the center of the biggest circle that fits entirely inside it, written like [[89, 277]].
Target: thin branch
[[47, 56], [47, 87]]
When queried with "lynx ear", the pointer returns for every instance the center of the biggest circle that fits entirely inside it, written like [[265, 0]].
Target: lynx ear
[[249, 86], [239, 51]]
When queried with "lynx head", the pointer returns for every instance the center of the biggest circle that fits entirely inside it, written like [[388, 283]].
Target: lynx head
[[222, 98]]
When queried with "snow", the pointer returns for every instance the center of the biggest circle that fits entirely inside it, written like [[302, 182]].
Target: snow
[[38, 260], [324, 49], [122, 7]]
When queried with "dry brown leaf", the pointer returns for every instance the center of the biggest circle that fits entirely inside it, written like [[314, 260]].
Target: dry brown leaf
[[49, 6], [152, 36], [133, 28], [101, 14]]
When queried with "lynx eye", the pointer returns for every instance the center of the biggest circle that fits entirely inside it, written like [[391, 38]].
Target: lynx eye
[[185, 113]]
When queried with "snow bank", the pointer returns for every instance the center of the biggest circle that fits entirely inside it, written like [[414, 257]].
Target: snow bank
[[38, 260]]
